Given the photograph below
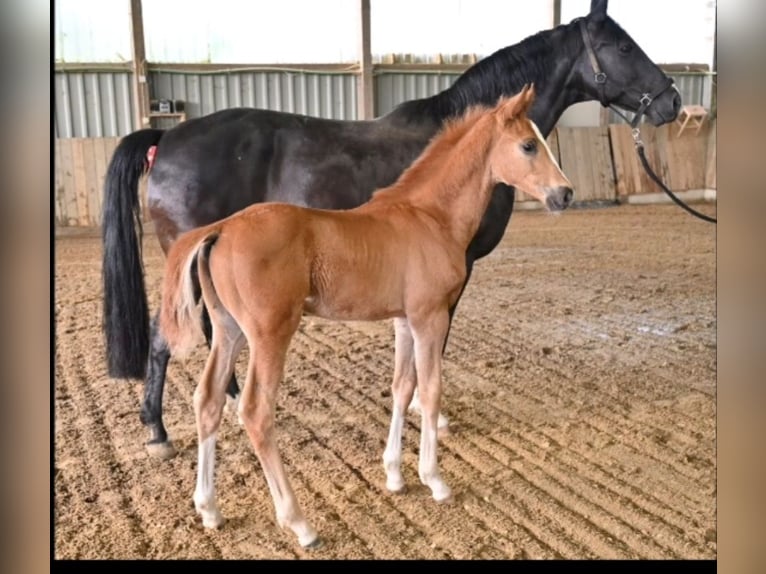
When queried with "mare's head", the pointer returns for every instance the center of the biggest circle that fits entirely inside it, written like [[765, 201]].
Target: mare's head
[[521, 158], [624, 74]]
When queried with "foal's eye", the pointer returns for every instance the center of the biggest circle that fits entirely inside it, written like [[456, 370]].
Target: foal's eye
[[626, 48], [529, 146]]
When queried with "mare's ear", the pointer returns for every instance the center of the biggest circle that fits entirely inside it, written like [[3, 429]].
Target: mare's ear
[[516, 105], [598, 10]]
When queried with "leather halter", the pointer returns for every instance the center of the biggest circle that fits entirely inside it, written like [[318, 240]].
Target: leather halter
[[600, 77]]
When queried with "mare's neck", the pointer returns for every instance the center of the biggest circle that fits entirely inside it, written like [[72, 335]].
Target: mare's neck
[[546, 59]]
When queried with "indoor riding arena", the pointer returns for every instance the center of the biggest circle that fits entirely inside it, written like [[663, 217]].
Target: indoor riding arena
[[579, 374]]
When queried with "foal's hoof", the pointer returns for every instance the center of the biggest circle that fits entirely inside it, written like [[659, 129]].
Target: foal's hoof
[[398, 491], [213, 521], [446, 501], [161, 450], [442, 494], [314, 544]]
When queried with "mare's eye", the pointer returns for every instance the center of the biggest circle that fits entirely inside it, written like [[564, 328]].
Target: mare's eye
[[529, 146], [626, 48]]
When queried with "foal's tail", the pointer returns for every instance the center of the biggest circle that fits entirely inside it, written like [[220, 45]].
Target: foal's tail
[[187, 275], [126, 313]]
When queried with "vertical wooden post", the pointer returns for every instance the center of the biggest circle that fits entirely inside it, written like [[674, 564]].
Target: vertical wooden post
[[365, 86], [556, 12], [140, 86], [714, 77]]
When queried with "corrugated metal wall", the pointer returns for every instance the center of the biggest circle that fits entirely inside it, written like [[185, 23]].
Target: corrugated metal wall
[[393, 88], [99, 104], [324, 95], [93, 104]]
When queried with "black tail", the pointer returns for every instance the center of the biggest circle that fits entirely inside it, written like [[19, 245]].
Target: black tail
[[126, 312]]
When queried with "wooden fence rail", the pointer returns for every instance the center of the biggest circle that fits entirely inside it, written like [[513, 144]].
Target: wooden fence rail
[[601, 162]]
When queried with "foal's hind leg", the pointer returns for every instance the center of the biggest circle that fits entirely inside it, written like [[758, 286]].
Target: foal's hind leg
[[209, 398], [402, 389], [232, 389], [257, 410]]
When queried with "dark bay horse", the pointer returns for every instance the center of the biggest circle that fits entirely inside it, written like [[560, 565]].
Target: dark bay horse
[[401, 255], [210, 167]]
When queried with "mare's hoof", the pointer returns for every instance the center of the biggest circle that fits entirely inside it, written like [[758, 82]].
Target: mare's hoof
[[314, 544], [161, 450]]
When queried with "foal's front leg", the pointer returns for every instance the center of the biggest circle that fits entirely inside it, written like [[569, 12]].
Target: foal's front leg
[[401, 389], [443, 424], [429, 333]]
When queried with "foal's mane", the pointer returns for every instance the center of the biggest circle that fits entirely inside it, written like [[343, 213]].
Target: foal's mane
[[427, 168]]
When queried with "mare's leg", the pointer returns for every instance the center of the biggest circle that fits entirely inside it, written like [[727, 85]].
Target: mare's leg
[[209, 398], [443, 422], [429, 332], [151, 410], [402, 389], [268, 348], [232, 389]]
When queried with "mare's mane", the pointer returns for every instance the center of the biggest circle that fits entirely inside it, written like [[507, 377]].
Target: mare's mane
[[503, 72]]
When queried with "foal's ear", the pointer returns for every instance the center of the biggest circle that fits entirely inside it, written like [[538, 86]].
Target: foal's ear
[[598, 10], [516, 105]]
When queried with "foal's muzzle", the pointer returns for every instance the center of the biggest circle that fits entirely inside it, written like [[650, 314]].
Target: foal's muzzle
[[559, 198]]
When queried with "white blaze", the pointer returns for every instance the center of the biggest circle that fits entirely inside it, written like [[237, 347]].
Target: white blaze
[[547, 149]]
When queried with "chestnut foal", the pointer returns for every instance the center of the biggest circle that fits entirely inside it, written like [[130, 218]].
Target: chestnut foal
[[401, 256]]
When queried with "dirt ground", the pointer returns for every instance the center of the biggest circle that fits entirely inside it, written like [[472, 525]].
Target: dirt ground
[[580, 382]]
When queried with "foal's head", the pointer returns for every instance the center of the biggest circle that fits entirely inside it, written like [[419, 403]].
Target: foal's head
[[521, 158]]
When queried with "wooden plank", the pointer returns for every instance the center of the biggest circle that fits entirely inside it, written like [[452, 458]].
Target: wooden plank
[[81, 191], [365, 86], [60, 191], [684, 158], [655, 148], [101, 161], [625, 163], [711, 173], [67, 175], [140, 86], [631, 178], [91, 180], [603, 169], [587, 161]]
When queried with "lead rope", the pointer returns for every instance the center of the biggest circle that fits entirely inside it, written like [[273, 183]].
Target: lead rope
[[645, 100], [642, 156], [658, 181]]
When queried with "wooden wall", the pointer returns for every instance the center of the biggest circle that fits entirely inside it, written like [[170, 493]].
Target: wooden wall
[[685, 162], [601, 162], [80, 166]]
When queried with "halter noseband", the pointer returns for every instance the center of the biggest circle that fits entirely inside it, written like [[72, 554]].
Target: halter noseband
[[600, 78]]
